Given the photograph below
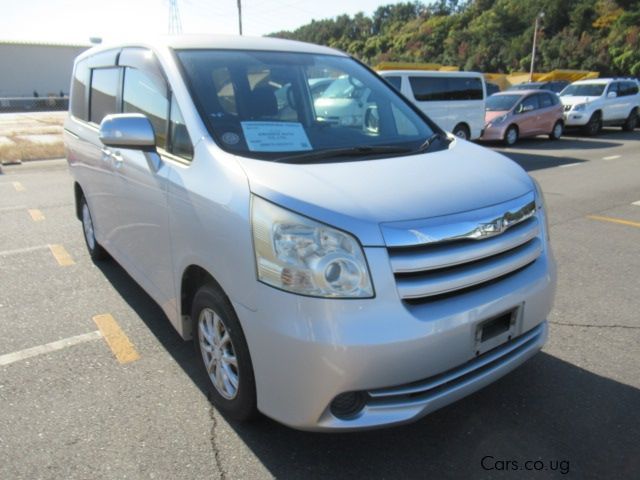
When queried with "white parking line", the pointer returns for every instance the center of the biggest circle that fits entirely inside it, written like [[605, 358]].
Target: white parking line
[[571, 165], [9, 358], [12, 209], [17, 251], [637, 204], [612, 157]]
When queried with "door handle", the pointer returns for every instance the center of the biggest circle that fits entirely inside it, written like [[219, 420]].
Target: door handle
[[117, 159], [106, 154]]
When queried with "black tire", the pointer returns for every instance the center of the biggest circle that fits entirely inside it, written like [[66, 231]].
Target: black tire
[[631, 122], [594, 125], [461, 131], [242, 406], [556, 131], [511, 135], [96, 251]]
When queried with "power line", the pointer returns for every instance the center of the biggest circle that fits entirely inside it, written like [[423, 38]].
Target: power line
[[175, 24]]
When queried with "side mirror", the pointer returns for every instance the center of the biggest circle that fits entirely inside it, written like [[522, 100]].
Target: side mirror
[[372, 119], [127, 130], [612, 95]]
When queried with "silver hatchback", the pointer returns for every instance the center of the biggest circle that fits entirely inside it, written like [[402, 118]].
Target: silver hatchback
[[337, 272]]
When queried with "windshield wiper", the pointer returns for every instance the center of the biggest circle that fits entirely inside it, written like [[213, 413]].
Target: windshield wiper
[[360, 151], [429, 141]]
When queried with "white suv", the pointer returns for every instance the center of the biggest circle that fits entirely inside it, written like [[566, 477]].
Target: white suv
[[590, 104]]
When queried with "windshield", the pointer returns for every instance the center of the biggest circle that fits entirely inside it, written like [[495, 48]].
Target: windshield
[[501, 103], [526, 86], [584, 90], [274, 105]]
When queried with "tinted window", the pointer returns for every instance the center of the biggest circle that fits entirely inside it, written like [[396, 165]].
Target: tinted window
[[627, 88], [613, 87], [396, 82], [427, 89], [583, 90], [104, 87], [147, 94], [545, 100], [179, 136], [501, 103], [79, 91]]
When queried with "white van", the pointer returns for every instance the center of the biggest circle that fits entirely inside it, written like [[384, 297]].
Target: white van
[[454, 100]]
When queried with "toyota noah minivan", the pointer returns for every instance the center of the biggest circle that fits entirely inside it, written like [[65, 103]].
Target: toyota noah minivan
[[333, 275]]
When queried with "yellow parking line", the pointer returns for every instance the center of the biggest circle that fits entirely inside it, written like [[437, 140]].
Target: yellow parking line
[[117, 340], [61, 255], [614, 220], [36, 215], [18, 186]]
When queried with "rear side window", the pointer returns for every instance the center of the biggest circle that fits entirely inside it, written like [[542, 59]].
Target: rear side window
[[627, 88], [530, 103], [104, 89], [545, 100], [79, 91], [396, 82], [147, 94], [431, 89]]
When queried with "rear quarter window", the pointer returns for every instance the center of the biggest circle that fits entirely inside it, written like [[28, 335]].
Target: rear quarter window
[[430, 89]]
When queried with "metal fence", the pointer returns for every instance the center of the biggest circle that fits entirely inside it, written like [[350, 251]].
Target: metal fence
[[33, 104]]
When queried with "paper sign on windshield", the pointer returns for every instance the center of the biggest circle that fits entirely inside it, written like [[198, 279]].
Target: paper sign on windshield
[[275, 136]]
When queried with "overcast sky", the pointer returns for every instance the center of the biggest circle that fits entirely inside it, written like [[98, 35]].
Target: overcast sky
[[76, 20]]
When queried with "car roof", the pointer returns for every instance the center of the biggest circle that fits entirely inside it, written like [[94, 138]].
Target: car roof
[[522, 93], [430, 73], [219, 42]]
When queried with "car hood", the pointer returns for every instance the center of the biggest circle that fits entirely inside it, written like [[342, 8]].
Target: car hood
[[490, 115], [356, 196], [566, 100]]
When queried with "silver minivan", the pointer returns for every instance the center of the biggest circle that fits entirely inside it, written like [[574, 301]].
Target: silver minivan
[[333, 275]]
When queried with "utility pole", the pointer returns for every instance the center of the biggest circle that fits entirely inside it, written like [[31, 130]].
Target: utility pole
[[533, 51], [240, 16]]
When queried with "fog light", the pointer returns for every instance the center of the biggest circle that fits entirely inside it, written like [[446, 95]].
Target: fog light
[[346, 405]]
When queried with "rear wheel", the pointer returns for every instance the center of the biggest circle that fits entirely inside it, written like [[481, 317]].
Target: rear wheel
[[556, 133], [223, 349], [461, 131], [594, 125], [95, 249], [631, 122], [511, 135]]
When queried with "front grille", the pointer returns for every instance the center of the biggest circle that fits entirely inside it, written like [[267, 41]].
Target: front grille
[[424, 390], [567, 108], [430, 271]]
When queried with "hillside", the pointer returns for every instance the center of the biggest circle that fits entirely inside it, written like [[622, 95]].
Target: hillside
[[490, 35]]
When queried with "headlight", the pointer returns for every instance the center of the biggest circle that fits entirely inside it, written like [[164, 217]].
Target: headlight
[[541, 206], [579, 107], [300, 255], [499, 119]]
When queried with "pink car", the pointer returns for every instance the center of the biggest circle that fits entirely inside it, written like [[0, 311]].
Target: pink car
[[513, 114]]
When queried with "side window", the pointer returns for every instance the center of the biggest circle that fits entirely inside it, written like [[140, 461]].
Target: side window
[[180, 142], [613, 87], [429, 89], [396, 82], [147, 94], [104, 89], [528, 104], [633, 88], [545, 100], [465, 88], [79, 91]]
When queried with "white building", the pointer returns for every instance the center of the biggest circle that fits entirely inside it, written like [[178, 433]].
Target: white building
[[28, 67]]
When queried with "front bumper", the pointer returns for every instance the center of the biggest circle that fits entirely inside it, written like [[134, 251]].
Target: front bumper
[[493, 132], [575, 119], [306, 351]]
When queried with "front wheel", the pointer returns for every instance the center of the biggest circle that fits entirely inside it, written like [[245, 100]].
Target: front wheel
[[95, 249], [631, 122], [221, 345], [511, 135], [594, 125], [556, 133]]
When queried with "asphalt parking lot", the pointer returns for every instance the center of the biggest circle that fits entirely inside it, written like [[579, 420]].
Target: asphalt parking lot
[[94, 382]]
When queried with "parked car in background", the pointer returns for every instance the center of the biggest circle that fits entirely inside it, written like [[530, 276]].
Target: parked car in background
[[491, 88], [334, 277], [590, 104], [554, 86], [454, 100], [515, 114]]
